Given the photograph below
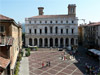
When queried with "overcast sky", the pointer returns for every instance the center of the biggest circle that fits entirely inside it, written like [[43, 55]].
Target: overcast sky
[[20, 9]]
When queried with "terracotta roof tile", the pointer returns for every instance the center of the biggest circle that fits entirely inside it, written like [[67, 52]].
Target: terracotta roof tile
[[50, 16], [94, 23], [4, 62], [2, 17]]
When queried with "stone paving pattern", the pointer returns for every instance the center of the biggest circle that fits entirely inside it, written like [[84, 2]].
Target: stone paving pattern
[[58, 66]]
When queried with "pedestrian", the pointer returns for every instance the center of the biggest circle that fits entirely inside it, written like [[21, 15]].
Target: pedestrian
[[49, 63], [42, 64]]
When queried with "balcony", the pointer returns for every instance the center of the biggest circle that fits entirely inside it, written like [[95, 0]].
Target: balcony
[[4, 41], [49, 34]]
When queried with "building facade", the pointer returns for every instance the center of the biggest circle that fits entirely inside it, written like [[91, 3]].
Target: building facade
[[92, 34], [52, 30], [81, 34], [10, 44]]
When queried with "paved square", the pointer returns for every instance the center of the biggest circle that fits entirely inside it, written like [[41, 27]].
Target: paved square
[[57, 67]]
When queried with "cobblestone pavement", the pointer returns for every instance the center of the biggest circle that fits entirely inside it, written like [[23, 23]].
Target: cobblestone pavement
[[58, 66]]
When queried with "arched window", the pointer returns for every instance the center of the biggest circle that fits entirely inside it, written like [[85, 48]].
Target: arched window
[[56, 21], [66, 21], [35, 31], [29, 22], [72, 41], [30, 41], [61, 42], [61, 21], [40, 31], [30, 31], [67, 42], [40, 42], [72, 21], [61, 31], [51, 42], [51, 22], [72, 31], [46, 42], [46, 30], [56, 30], [40, 22], [50, 29], [35, 41], [45, 21], [56, 42], [66, 31]]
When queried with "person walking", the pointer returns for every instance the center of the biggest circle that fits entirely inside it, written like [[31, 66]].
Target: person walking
[[49, 63], [42, 64]]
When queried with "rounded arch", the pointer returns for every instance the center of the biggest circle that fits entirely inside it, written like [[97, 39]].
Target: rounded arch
[[56, 42], [45, 42], [46, 30], [61, 42], [72, 41], [35, 41], [51, 42], [56, 30], [40, 42], [67, 41], [30, 41]]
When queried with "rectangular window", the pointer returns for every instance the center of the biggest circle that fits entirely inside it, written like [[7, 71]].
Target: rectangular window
[[50, 29], [35, 31], [66, 31], [30, 31], [40, 31], [72, 31], [61, 31], [29, 22], [72, 21], [1, 28]]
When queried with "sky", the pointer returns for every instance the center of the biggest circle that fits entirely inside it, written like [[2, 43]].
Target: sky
[[21, 9]]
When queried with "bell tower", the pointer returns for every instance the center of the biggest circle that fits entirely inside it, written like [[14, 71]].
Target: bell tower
[[40, 10], [72, 9]]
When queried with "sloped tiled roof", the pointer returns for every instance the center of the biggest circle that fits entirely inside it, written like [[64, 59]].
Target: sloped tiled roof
[[4, 62], [94, 23], [50, 16], [2, 17]]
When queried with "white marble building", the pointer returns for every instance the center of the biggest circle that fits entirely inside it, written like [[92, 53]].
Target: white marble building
[[52, 30]]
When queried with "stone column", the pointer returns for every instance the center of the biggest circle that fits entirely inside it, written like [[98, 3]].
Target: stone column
[[53, 42], [64, 42], [43, 42], [69, 41], [58, 42], [48, 42], [75, 41], [33, 41], [38, 42]]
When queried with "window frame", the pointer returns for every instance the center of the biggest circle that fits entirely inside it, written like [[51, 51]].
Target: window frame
[[1, 28]]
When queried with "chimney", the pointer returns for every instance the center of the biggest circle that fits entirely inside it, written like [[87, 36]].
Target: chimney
[[40, 10]]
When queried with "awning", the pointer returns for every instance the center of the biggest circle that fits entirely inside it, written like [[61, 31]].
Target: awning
[[97, 52], [4, 62]]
